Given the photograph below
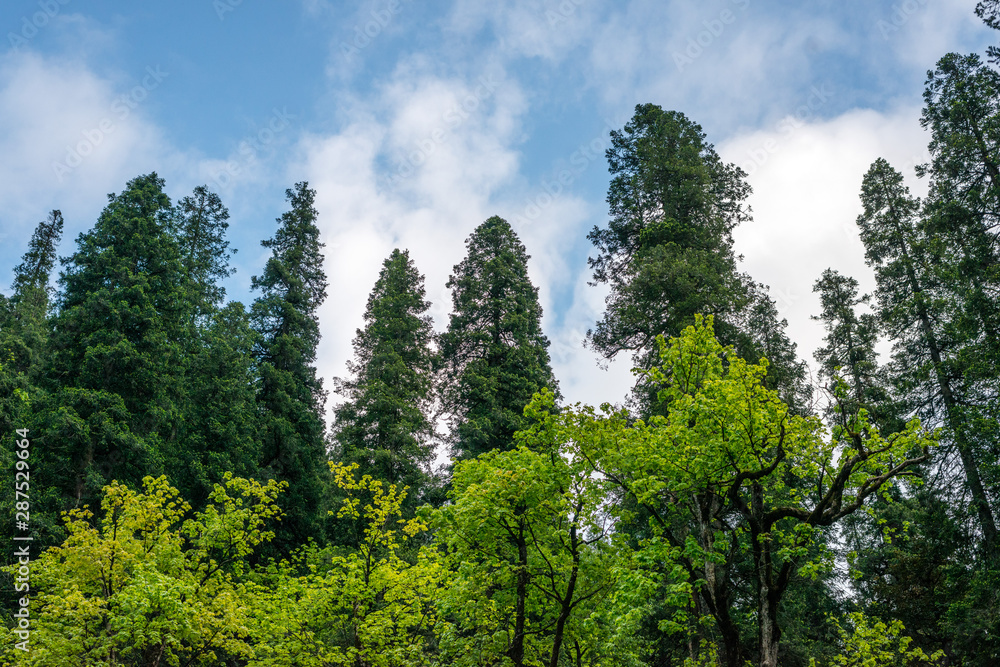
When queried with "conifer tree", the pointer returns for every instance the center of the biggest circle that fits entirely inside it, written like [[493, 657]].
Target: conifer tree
[[850, 353], [494, 353], [925, 351], [118, 346], [293, 285], [667, 252], [24, 331], [200, 226], [384, 425]]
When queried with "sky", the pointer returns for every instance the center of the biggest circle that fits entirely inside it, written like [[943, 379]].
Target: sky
[[416, 121]]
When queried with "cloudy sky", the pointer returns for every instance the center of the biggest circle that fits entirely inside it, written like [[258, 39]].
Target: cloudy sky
[[415, 121]]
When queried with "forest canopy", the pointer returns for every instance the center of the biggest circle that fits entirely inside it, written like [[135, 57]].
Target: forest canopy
[[189, 504]]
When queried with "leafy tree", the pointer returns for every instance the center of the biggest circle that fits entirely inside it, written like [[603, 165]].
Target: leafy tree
[[144, 584], [527, 538], [730, 467], [494, 354], [368, 607], [384, 425], [292, 286]]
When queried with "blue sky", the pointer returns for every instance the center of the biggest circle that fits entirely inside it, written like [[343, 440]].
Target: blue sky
[[417, 121]]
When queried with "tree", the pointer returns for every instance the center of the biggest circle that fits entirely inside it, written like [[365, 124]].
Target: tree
[[849, 353], [118, 349], [292, 286], [200, 227], [494, 354], [146, 584], [730, 467], [910, 305], [667, 252], [526, 536], [368, 607], [384, 425]]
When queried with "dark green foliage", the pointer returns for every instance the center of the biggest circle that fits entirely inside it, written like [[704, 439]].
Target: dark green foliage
[[667, 253], [119, 343], [494, 353], [913, 310], [850, 353], [292, 286], [200, 228], [384, 425]]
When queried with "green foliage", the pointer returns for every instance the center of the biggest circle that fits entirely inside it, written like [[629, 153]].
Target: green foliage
[[145, 585], [384, 426], [494, 353], [877, 644], [528, 542], [730, 467], [667, 253], [367, 607], [292, 286]]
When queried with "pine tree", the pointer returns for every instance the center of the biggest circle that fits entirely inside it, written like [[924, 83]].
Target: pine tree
[[667, 252], [200, 227], [118, 346], [384, 425], [292, 286], [24, 331], [850, 353], [494, 353], [925, 351]]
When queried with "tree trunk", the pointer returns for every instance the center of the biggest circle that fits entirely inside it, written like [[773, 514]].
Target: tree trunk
[[516, 651]]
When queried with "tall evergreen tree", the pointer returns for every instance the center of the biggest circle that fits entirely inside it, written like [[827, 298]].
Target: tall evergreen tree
[[494, 353], [200, 227], [850, 353], [910, 305], [667, 252], [118, 346], [24, 328], [292, 286], [384, 425]]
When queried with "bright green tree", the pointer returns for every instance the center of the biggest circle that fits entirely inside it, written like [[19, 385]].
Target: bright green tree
[[384, 425], [146, 583], [732, 468], [292, 286], [494, 353], [366, 607], [527, 537]]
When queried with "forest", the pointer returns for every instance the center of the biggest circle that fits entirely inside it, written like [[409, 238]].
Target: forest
[[181, 500]]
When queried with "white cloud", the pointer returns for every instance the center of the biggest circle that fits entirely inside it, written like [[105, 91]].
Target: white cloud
[[806, 179]]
